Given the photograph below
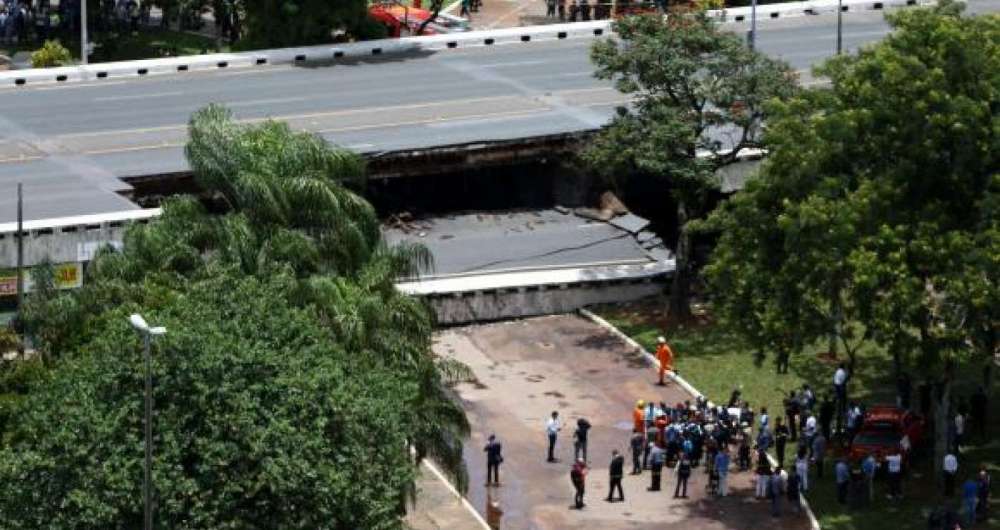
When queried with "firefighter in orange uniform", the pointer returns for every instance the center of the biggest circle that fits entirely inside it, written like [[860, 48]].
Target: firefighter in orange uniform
[[665, 356], [639, 417]]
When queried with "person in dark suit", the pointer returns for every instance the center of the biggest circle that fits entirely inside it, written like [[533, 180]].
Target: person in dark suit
[[494, 457], [616, 471]]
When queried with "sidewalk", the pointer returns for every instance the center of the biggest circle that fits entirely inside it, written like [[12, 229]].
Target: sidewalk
[[506, 14], [528, 368], [437, 507]]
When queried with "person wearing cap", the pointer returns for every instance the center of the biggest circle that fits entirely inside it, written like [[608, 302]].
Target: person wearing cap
[[639, 417], [666, 358], [494, 458]]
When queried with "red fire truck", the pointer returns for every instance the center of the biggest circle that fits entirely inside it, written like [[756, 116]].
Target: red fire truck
[[403, 21]]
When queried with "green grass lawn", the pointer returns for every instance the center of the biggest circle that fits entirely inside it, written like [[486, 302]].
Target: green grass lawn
[[716, 361], [146, 43]]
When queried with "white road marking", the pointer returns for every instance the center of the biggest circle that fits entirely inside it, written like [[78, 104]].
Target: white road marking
[[253, 102], [139, 96]]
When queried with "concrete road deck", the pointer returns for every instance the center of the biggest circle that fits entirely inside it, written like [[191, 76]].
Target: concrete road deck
[[528, 368]]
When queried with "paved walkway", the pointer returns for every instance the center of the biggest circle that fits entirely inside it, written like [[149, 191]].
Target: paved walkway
[[507, 13], [437, 507], [530, 367]]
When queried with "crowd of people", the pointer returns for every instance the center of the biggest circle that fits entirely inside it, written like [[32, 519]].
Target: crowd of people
[[719, 439], [37, 20]]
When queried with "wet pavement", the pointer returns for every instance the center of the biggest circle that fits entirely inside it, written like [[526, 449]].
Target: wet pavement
[[528, 368]]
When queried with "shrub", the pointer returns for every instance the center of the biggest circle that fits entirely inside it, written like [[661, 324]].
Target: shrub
[[52, 53]]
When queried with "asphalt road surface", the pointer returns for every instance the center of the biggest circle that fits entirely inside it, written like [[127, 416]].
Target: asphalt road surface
[[70, 143]]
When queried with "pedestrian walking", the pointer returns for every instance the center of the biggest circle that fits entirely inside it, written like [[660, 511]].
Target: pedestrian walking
[[894, 467], [819, 453], [842, 473], [763, 477], [826, 410], [970, 497], [466, 4], [780, 440], [552, 428], [578, 476], [978, 405], [793, 490], [868, 468], [550, 8], [683, 474], [585, 10], [615, 472], [664, 355], [950, 468], [562, 10], [840, 391], [744, 455], [494, 457], [802, 470], [722, 470], [637, 442], [985, 484], [656, 456], [791, 404], [574, 11], [777, 491], [580, 439]]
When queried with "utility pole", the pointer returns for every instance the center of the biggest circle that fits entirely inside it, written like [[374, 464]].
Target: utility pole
[[840, 25], [20, 269], [147, 333], [147, 482], [83, 31], [753, 24]]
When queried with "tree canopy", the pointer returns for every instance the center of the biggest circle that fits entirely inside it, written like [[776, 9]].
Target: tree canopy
[[699, 96], [877, 207], [293, 378]]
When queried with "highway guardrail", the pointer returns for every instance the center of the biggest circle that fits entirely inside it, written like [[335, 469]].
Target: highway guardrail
[[374, 48]]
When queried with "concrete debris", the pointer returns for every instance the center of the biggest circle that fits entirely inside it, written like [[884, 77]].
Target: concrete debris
[[644, 236], [609, 201], [405, 223], [659, 254], [655, 242], [562, 209], [630, 223], [595, 214]]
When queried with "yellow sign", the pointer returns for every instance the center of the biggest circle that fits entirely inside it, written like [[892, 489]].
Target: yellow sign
[[67, 276]]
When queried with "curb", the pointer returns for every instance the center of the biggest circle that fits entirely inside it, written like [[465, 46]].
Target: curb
[[651, 359], [465, 502]]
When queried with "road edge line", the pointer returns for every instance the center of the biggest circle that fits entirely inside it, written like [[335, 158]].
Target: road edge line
[[465, 501], [651, 359]]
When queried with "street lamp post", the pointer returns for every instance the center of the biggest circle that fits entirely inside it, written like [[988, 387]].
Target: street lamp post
[[83, 31], [840, 25], [147, 333], [753, 24]]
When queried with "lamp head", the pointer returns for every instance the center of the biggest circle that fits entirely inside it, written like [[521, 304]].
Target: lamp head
[[139, 323]]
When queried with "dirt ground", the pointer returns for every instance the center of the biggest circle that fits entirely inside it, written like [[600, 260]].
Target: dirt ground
[[528, 368]]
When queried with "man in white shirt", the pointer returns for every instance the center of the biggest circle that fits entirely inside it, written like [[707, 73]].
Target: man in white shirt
[[894, 465], [950, 470], [552, 428], [840, 391]]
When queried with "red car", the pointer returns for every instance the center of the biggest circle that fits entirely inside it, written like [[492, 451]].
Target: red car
[[883, 429]]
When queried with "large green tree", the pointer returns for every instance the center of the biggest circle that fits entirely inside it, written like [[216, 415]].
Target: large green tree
[[284, 322], [698, 103], [891, 172]]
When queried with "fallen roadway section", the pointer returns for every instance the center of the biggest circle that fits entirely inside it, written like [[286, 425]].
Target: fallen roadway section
[[491, 266]]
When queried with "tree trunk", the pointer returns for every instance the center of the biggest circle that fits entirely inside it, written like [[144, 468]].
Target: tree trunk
[[680, 303], [942, 409], [837, 312]]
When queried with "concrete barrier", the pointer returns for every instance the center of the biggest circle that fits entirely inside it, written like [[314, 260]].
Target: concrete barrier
[[810, 7], [328, 52], [367, 49]]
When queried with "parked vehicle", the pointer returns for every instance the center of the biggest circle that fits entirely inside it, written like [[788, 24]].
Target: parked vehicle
[[883, 429]]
